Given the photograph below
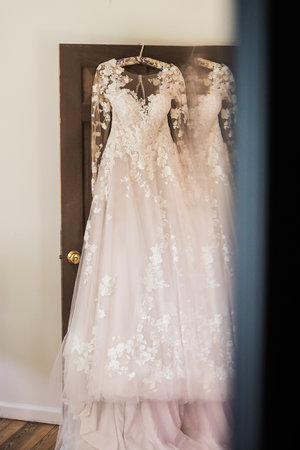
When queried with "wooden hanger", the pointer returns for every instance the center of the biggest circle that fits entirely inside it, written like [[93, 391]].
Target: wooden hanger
[[131, 60]]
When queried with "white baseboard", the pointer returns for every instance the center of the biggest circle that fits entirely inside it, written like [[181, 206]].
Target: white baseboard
[[34, 413]]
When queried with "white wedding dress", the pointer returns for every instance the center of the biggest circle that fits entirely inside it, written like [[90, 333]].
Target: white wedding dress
[[148, 355]]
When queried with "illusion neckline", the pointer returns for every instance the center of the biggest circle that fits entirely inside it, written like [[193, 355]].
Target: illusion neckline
[[144, 75]]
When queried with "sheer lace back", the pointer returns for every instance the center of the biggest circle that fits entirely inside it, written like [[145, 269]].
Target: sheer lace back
[[211, 95]]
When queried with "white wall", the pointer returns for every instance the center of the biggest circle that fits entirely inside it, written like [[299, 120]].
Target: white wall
[[30, 32]]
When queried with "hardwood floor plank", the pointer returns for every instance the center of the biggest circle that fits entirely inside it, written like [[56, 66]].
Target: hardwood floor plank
[[3, 424], [8, 428], [48, 441], [27, 436]]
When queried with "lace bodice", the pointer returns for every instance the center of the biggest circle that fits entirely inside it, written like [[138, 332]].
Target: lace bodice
[[136, 110]]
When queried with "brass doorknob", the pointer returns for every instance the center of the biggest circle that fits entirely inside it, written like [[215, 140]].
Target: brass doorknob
[[73, 257]]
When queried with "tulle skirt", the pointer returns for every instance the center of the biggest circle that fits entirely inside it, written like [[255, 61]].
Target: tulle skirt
[[148, 425], [148, 355]]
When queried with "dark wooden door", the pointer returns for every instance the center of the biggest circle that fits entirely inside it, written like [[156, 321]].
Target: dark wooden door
[[78, 64]]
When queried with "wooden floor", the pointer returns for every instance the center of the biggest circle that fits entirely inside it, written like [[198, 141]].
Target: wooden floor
[[21, 435]]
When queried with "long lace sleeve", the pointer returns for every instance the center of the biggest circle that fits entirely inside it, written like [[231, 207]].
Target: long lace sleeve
[[228, 111], [178, 114], [100, 123]]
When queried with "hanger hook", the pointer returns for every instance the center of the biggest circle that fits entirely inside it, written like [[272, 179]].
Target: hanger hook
[[143, 45], [193, 51]]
